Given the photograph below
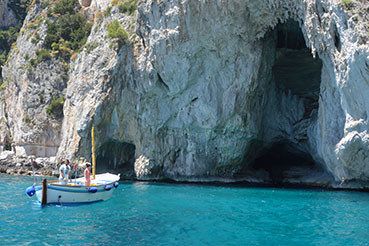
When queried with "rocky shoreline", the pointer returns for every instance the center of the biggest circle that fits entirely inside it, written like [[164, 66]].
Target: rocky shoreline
[[12, 164], [22, 165]]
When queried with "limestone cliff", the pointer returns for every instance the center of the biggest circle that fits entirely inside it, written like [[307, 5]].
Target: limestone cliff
[[260, 91], [31, 84]]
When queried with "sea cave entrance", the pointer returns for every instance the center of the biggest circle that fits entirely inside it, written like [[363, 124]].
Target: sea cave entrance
[[286, 159], [117, 157], [284, 163], [295, 69]]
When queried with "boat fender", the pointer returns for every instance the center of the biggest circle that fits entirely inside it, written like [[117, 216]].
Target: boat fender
[[107, 187], [92, 189], [116, 184], [30, 191]]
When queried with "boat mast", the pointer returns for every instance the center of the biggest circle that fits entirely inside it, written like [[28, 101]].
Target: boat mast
[[93, 152]]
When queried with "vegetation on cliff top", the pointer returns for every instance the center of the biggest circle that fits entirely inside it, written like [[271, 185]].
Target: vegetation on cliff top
[[358, 11], [42, 55], [8, 37], [125, 6], [69, 32], [128, 7], [19, 8], [116, 31]]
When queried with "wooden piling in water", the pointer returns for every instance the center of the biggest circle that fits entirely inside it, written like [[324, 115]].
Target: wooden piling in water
[[44, 192]]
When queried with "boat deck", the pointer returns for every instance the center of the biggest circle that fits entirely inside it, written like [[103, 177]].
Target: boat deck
[[100, 179]]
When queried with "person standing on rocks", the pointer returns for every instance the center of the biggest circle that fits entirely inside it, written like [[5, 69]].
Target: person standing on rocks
[[64, 172]]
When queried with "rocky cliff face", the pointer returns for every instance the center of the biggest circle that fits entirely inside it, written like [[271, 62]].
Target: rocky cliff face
[[213, 90], [30, 88]]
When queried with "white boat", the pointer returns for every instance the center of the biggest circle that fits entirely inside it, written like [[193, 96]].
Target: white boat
[[76, 192]]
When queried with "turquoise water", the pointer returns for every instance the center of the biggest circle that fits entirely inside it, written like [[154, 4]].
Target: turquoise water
[[177, 214]]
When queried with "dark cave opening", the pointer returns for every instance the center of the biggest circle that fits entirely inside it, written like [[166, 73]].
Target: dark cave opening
[[284, 163], [295, 71], [117, 157], [289, 36]]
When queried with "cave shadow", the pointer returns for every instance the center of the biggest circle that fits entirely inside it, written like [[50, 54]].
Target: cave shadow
[[283, 163], [116, 157], [296, 72]]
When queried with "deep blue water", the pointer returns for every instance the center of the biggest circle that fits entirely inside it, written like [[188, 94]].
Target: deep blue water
[[176, 214]]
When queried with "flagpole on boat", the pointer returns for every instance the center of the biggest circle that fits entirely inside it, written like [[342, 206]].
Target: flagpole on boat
[[93, 152]]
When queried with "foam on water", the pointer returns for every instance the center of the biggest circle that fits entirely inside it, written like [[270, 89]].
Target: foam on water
[[176, 214]]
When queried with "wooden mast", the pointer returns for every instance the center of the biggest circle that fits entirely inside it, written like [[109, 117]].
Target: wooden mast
[[93, 152]]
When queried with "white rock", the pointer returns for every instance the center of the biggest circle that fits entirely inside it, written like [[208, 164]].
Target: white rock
[[6, 155], [195, 92]]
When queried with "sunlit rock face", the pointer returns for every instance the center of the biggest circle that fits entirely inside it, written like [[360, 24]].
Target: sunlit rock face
[[227, 90], [7, 19], [222, 91], [28, 91]]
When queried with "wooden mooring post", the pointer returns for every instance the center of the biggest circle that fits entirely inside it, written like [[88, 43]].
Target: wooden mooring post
[[44, 192]]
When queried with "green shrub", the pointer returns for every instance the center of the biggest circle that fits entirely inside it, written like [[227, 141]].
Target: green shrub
[[42, 98], [69, 32], [7, 37], [66, 7], [3, 85], [75, 29], [64, 76], [348, 4], [125, 6], [115, 31], [42, 56], [56, 107], [27, 119], [36, 39], [45, 4], [91, 46], [51, 35], [3, 58], [61, 50], [33, 62], [19, 7], [128, 7], [107, 12]]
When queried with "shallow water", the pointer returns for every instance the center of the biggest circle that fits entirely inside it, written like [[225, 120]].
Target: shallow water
[[182, 214]]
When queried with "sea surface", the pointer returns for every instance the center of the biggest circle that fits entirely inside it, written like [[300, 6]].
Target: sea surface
[[184, 214]]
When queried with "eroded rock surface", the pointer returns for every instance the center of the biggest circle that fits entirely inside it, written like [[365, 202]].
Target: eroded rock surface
[[30, 89], [204, 89]]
